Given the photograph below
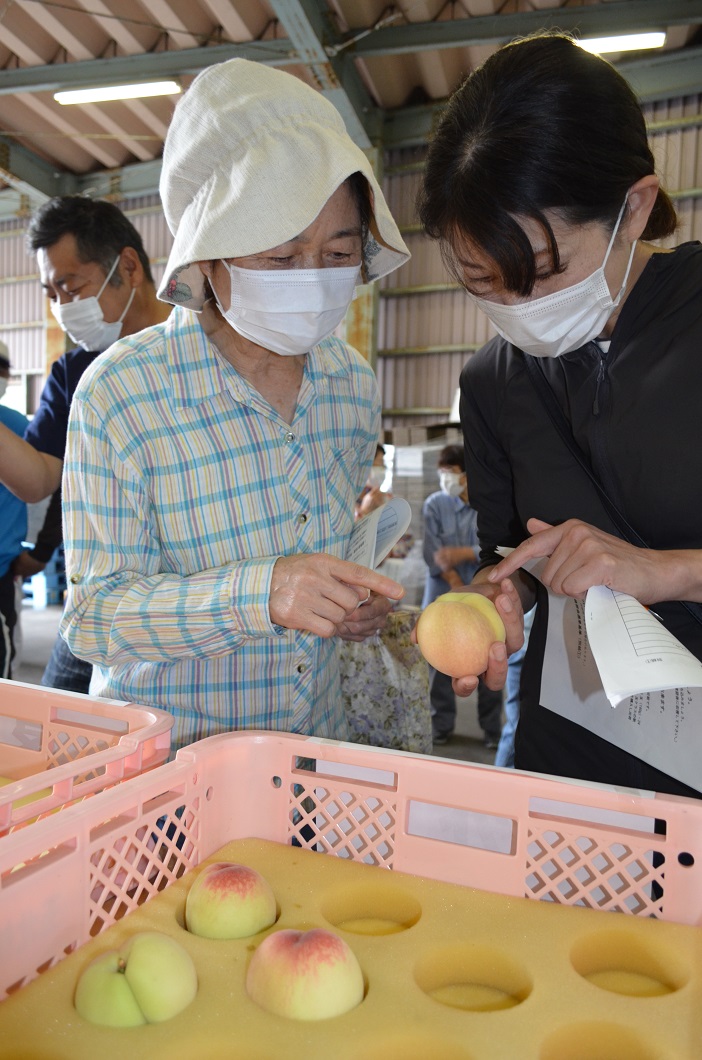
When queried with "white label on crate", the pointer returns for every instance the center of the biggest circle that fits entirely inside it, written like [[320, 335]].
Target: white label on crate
[[349, 772], [567, 811], [463, 827], [81, 717], [17, 732]]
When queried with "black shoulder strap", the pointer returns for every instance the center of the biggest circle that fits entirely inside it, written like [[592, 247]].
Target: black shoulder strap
[[559, 421]]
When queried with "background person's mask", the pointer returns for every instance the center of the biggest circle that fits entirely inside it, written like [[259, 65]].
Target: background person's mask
[[563, 321], [84, 321], [376, 477], [451, 483], [288, 311]]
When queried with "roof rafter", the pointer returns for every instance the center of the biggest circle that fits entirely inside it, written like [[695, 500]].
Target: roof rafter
[[313, 40], [310, 29], [593, 20]]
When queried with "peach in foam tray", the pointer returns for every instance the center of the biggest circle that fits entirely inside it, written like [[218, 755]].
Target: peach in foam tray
[[150, 979], [305, 975], [229, 901]]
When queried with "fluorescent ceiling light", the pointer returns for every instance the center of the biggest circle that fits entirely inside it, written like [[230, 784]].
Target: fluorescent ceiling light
[[628, 42], [107, 92]]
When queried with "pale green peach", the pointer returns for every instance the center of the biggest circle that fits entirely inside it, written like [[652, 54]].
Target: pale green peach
[[150, 979], [484, 605], [104, 996]]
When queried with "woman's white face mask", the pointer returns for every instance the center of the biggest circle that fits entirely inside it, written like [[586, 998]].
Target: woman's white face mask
[[84, 321], [288, 311], [563, 321]]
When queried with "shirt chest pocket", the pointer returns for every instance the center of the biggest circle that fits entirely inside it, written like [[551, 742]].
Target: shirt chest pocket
[[341, 474]]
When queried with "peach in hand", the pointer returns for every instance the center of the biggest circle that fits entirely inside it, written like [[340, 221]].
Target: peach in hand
[[229, 901], [455, 632], [305, 975]]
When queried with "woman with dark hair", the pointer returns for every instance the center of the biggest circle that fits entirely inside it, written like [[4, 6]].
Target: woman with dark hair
[[581, 417]]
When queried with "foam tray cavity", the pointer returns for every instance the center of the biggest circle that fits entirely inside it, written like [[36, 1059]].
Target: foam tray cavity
[[451, 972]]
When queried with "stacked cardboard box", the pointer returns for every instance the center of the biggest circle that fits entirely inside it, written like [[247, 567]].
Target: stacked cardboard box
[[421, 434]]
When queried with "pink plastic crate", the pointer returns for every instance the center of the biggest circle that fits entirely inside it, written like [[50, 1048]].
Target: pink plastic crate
[[68, 878], [63, 746]]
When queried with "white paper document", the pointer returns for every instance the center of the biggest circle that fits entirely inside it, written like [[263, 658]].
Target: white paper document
[[376, 534], [611, 666]]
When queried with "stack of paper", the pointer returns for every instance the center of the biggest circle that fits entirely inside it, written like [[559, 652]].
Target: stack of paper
[[609, 651]]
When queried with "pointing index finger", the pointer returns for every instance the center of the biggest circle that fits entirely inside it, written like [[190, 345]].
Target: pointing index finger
[[358, 576], [541, 544]]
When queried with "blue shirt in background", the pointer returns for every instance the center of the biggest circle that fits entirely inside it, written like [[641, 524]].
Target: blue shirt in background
[[13, 511], [49, 427], [447, 521]]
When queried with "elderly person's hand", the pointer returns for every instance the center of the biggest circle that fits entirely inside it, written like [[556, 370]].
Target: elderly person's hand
[[319, 593], [581, 556], [366, 620]]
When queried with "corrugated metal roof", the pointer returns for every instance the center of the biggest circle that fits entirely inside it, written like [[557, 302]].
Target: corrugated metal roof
[[386, 67]]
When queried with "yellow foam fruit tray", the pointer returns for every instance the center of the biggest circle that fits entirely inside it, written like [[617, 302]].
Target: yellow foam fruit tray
[[451, 973]]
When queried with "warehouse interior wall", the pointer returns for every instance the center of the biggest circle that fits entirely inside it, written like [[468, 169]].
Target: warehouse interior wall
[[426, 327]]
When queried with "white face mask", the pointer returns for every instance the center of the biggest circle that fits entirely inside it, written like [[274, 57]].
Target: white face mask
[[288, 311], [376, 477], [84, 321], [3, 388], [563, 321], [451, 483]]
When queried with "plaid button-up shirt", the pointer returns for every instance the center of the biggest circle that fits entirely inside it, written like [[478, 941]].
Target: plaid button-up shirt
[[181, 488]]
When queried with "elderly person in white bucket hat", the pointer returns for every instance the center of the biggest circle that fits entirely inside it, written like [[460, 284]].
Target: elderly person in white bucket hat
[[214, 460]]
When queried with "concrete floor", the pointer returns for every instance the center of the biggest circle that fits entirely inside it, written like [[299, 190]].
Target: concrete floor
[[39, 630]]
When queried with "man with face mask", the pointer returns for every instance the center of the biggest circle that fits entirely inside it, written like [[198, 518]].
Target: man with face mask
[[94, 269], [13, 528], [233, 440], [451, 549]]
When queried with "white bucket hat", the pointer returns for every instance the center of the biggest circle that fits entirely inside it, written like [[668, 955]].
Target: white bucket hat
[[251, 157]]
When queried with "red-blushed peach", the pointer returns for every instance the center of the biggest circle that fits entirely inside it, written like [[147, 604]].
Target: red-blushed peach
[[150, 979], [229, 901], [305, 975], [455, 632]]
